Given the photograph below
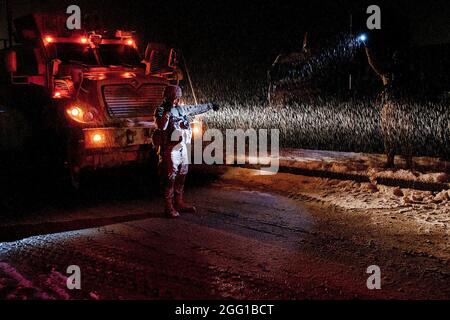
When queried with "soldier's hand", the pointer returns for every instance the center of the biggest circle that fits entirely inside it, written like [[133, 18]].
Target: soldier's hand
[[215, 106], [185, 125]]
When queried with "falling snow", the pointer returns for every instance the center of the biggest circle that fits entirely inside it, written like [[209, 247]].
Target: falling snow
[[328, 122], [338, 126]]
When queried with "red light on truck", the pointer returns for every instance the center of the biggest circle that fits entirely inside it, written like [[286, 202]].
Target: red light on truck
[[128, 75], [84, 40], [48, 40], [130, 42]]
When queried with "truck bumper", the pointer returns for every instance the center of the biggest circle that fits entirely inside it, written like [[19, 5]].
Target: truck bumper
[[114, 147]]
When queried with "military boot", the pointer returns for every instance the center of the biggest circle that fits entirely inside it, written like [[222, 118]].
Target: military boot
[[170, 210], [180, 205]]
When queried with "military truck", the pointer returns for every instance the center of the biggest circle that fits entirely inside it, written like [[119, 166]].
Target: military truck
[[81, 99], [289, 79], [285, 88]]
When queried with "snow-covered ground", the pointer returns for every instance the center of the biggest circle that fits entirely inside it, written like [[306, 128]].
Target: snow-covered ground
[[430, 206], [432, 171], [427, 170], [428, 211]]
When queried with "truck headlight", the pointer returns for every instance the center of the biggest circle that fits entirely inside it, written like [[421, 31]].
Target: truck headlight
[[77, 114]]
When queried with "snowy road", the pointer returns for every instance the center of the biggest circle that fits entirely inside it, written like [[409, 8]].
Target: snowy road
[[244, 243]]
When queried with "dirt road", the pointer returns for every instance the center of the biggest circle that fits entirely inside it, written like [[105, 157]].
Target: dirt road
[[244, 243]]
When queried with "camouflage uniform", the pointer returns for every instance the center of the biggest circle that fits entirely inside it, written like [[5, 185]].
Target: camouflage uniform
[[396, 119], [173, 155]]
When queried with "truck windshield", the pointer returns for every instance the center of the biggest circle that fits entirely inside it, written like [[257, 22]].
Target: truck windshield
[[109, 54], [67, 52], [119, 54]]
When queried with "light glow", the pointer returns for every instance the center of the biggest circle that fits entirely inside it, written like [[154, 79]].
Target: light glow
[[362, 37], [48, 39], [97, 138], [128, 75], [75, 112], [197, 129]]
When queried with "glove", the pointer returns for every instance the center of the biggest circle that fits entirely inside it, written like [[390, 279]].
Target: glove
[[181, 123], [184, 125], [215, 106]]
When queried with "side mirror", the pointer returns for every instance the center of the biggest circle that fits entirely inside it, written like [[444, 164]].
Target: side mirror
[[158, 57], [155, 49], [162, 61], [11, 61], [54, 66]]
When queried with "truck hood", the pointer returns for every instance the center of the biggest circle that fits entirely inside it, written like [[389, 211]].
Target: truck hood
[[121, 95]]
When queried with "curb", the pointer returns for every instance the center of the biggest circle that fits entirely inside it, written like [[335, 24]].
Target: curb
[[418, 185]]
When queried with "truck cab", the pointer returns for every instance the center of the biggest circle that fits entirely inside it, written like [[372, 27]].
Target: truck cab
[[87, 97], [285, 88]]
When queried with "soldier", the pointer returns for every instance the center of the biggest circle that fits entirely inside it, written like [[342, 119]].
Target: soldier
[[174, 134], [396, 120]]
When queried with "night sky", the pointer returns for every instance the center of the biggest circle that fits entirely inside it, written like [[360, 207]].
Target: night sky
[[253, 27], [241, 38]]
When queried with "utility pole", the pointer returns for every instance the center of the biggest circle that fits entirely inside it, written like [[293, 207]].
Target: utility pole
[[350, 80]]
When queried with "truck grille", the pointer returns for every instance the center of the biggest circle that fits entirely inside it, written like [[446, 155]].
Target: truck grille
[[125, 101]]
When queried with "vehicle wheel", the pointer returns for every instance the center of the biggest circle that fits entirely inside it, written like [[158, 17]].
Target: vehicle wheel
[[74, 177], [153, 161], [151, 169], [70, 179], [71, 170]]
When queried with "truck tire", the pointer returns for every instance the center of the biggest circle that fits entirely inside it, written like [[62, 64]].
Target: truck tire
[[73, 177], [71, 172]]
